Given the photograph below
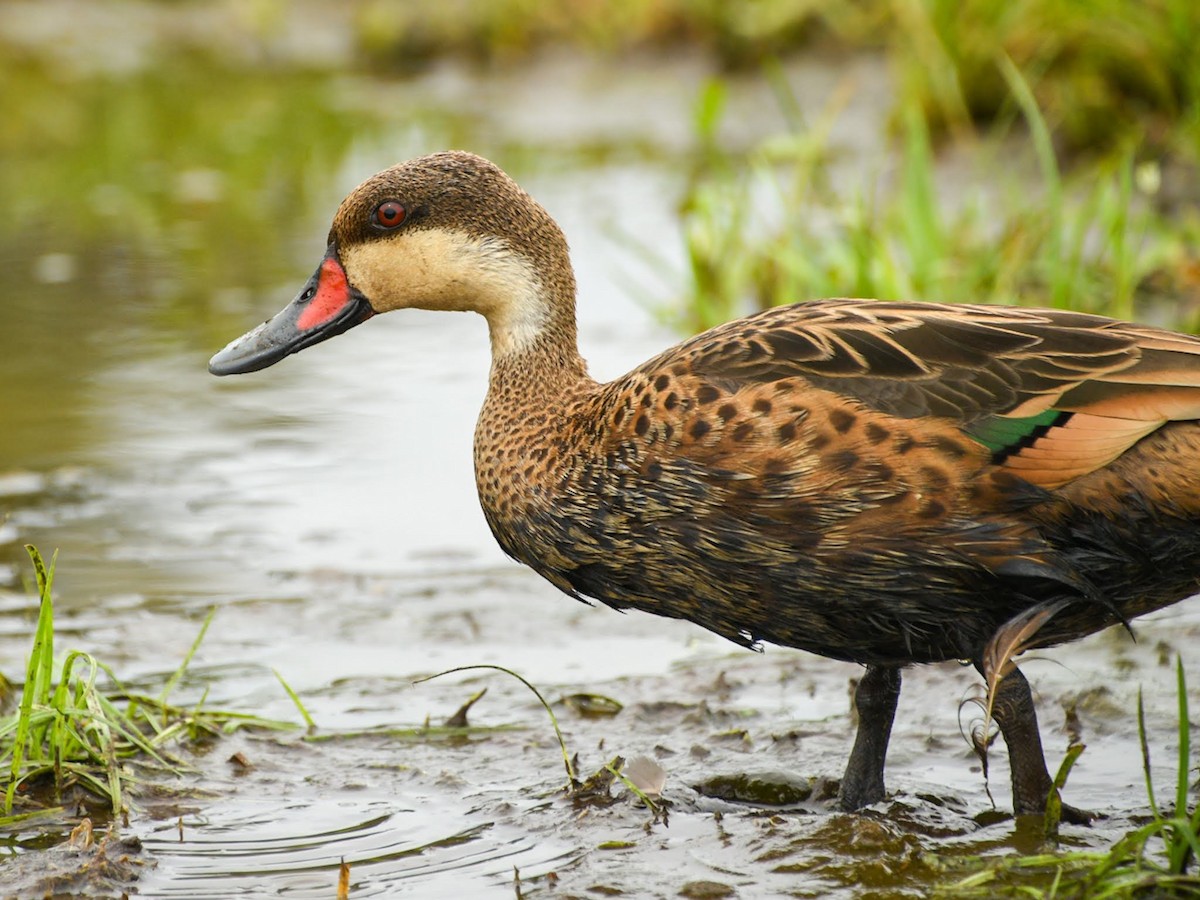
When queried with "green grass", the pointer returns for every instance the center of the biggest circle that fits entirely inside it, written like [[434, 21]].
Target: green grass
[[1158, 859], [76, 727], [768, 228], [186, 182]]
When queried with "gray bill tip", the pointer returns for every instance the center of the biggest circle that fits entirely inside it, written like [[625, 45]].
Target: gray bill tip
[[248, 353]]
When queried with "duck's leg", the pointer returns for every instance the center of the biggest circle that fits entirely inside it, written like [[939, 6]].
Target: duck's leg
[[1031, 783], [875, 700]]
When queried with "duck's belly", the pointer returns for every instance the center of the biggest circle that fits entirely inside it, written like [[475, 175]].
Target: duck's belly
[[884, 602], [887, 598]]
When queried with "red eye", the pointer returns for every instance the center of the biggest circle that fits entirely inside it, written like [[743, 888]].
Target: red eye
[[389, 214]]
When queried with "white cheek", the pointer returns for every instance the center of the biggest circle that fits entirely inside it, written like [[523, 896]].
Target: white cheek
[[447, 270]]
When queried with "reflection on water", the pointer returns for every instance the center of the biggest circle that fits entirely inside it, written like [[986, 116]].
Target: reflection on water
[[147, 213]]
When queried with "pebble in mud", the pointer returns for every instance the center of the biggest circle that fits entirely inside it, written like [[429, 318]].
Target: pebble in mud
[[765, 789], [706, 890]]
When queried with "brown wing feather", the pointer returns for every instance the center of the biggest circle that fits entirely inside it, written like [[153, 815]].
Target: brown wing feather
[[972, 364]]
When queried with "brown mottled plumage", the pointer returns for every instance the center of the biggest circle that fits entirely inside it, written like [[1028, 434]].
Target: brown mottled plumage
[[885, 483]]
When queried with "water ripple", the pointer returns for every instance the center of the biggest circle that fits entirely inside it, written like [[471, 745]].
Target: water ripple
[[254, 850]]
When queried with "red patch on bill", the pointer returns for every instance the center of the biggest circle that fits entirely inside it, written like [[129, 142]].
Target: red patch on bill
[[333, 293]]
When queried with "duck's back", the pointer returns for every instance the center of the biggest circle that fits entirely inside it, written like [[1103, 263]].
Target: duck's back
[[881, 482]]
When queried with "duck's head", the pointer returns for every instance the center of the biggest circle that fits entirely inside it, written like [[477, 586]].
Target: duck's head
[[449, 231]]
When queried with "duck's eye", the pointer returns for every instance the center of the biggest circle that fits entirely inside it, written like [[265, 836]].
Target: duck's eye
[[389, 214]]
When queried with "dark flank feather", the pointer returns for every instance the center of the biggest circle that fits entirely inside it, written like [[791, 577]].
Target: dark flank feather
[[1010, 641], [883, 483]]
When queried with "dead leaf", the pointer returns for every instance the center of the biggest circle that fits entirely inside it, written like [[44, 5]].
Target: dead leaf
[[240, 761], [81, 835]]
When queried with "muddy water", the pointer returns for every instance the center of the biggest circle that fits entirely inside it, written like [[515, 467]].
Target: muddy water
[[326, 508]]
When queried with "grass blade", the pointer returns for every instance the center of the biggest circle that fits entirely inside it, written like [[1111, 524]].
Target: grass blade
[[1141, 727], [41, 659], [1185, 750], [1043, 145], [178, 673], [308, 720]]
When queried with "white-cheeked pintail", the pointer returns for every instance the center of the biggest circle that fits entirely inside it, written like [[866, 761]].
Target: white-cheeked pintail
[[881, 482]]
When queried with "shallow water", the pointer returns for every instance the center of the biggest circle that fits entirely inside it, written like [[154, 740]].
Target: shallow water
[[326, 508]]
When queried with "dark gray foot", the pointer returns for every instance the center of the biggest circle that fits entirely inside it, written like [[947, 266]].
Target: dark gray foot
[[875, 700], [1031, 782]]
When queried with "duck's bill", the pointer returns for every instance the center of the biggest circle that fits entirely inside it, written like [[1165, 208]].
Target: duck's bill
[[327, 306]]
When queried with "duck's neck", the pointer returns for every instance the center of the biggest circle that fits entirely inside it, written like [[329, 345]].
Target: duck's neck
[[542, 367], [537, 380], [535, 351]]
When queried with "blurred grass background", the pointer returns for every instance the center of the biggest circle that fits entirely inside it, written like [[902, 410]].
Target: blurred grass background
[[1103, 70], [156, 137]]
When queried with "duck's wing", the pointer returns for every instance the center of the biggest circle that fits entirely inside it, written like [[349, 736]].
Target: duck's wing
[[1052, 394]]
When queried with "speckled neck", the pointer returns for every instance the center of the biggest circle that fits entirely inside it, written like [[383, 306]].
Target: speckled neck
[[542, 364], [526, 419]]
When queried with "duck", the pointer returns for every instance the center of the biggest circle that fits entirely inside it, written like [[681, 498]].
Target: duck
[[886, 483]]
